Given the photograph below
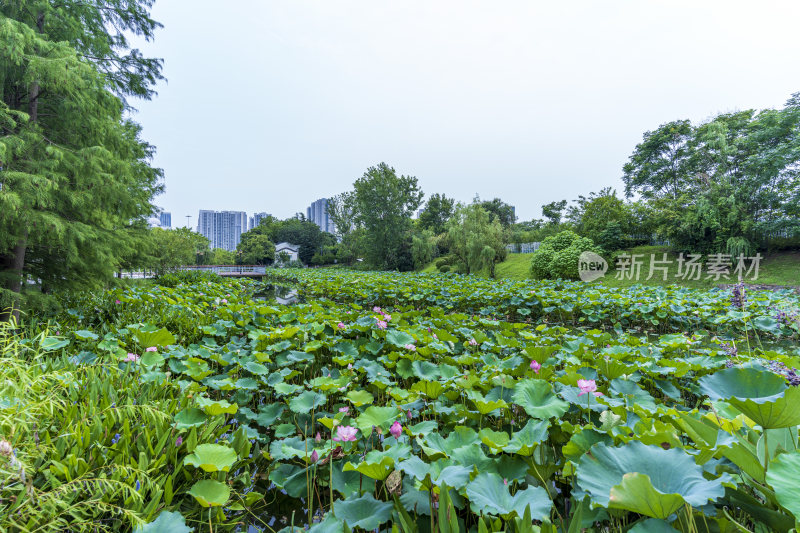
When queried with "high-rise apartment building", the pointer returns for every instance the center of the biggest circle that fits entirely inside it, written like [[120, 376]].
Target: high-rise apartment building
[[222, 228], [317, 213], [165, 218], [255, 220]]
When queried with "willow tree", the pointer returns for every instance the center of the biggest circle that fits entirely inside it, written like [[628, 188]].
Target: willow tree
[[476, 239], [76, 181]]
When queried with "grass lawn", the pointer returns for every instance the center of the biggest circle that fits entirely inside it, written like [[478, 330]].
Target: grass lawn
[[782, 268]]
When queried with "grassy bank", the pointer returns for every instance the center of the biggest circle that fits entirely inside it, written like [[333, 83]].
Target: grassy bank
[[782, 268]]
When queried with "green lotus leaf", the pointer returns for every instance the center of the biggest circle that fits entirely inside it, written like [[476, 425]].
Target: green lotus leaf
[[189, 418], [415, 467], [425, 371], [269, 414], [152, 359], [743, 384], [360, 397], [524, 441], [364, 512], [210, 493], [256, 368], [149, 337], [489, 495], [330, 524], [454, 476], [762, 396], [423, 428], [637, 494], [485, 405], [290, 448], [399, 338], [435, 445], [671, 474], [653, 525], [376, 468], [167, 522], [347, 349], [537, 398], [291, 478], [216, 407], [50, 344], [629, 394], [84, 334], [212, 457], [306, 401], [381, 417], [783, 475], [431, 389], [495, 440]]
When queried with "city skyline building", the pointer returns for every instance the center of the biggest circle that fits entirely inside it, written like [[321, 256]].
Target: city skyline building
[[165, 219], [256, 219], [317, 213], [222, 228]]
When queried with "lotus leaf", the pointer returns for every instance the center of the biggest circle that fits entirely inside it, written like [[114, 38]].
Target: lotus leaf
[[783, 475], [668, 477], [537, 398], [210, 493], [489, 495], [212, 457], [364, 512], [760, 395], [167, 522]]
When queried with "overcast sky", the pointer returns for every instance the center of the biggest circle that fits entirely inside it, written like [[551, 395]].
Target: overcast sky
[[270, 105]]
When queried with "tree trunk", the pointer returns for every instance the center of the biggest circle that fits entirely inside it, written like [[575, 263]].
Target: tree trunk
[[13, 264]]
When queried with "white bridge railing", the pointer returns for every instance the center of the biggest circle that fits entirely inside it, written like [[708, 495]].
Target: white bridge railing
[[228, 270], [222, 270]]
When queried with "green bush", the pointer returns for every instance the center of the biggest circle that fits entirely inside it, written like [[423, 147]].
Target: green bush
[[557, 257], [444, 268]]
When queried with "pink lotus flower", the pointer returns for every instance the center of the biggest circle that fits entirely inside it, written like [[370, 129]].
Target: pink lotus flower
[[117, 302], [345, 434], [387, 317], [349, 366], [396, 430], [377, 309], [341, 325], [314, 456], [178, 442], [411, 347], [473, 342], [344, 409], [535, 366], [131, 358], [586, 386], [151, 349], [435, 337], [318, 438], [382, 324], [224, 300], [409, 415]]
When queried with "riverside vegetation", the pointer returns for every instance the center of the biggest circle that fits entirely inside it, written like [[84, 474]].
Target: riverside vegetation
[[409, 402]]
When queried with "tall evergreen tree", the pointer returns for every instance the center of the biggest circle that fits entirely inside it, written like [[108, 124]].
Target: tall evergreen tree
[[76, 183]]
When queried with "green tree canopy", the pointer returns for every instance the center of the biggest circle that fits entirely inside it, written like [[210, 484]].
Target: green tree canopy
[[500, 210], [476, 239], [255, 249], [170, 248], [76, 182], [437, 212], [383, 204]]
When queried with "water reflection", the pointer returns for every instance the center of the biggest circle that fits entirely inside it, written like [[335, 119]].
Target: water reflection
[[280, 294]]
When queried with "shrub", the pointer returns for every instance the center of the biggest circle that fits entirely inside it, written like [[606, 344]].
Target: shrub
[[444, 268], [558, 255]]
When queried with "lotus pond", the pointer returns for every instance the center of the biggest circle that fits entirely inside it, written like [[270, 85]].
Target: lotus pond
[[403, 402]]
